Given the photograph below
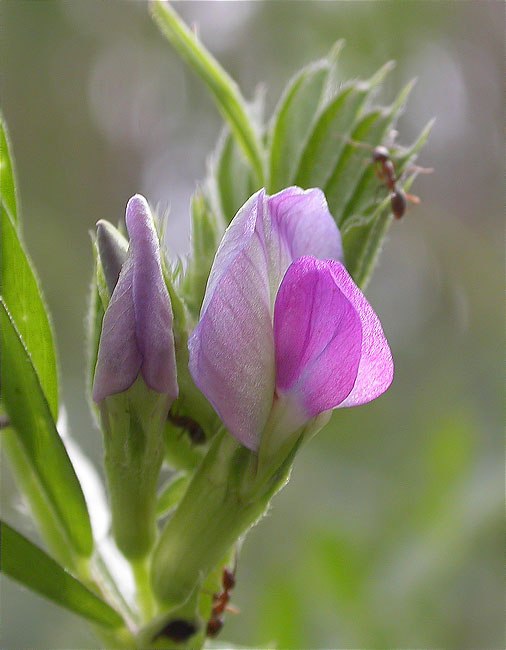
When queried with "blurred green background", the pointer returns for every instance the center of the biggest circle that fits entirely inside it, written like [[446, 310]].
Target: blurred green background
[[391, 532]]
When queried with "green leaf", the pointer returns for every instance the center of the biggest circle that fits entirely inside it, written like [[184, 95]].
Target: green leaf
[[206, 235], [29, 485], [353, 181], [292, 121], [226, 93], [363, 233], [21, 294], [333, 127], [30, 415], [29, 565], [8, 197], [234, 178]]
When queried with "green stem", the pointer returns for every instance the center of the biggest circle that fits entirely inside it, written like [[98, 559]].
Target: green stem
[[145, 600], [226, 93]]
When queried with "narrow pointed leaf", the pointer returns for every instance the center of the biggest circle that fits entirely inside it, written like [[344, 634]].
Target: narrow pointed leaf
[[22, 296], [352, 180], [292, 122], [30, 416], [329, 135], [206, 234], [48, 525], [363, 232], [8, 198], [28, 564], [234, 178], [223, 88]]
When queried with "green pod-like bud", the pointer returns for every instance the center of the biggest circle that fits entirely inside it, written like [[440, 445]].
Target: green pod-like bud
[[132, 424], [226, 496]]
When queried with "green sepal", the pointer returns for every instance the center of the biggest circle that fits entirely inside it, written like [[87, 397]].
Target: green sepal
[[26, 563], [191, 402], [226, 496], [171, 493], [132, 424]]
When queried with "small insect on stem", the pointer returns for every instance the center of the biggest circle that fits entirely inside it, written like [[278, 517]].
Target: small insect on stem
[[220, 602], [385, 171]]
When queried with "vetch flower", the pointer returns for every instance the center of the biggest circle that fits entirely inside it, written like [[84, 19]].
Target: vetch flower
[[137, 336], [135, 376], [284, 333]]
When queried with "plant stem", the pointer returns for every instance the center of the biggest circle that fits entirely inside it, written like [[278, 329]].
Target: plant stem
[[145, 600]]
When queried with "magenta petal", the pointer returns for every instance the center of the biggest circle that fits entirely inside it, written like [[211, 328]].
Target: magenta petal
[[318, 338], [376, 369], [137, 327]]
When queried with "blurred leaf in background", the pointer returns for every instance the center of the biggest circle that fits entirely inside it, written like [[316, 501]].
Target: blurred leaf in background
[[391, 531]]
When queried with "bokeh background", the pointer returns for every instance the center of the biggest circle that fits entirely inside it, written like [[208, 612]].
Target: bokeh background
[[391, 532]]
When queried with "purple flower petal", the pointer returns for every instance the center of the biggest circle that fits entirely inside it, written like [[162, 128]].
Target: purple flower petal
[[318, 338], [137, 328], [303, 219], [232, 348], [289, 224]]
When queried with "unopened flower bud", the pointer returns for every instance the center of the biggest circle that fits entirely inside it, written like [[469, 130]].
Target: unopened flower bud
[[112, 250], [135, 376], [137, 333]]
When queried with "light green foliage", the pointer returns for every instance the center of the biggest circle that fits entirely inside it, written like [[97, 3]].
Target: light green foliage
[[206, 233], [233, 177], [30, 392], [31, 418], [224, 90], [8, 196], [28, 564], [321, 134], [23, 299], [292, 122], [20, 287], [28, 482]]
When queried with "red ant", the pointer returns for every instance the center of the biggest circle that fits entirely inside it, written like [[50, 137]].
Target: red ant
[[220, 603], [398, 198], [385, 170]]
